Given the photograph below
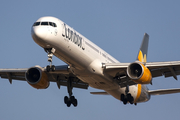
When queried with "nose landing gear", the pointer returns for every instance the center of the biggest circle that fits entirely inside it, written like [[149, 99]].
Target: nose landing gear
[[50, 52]]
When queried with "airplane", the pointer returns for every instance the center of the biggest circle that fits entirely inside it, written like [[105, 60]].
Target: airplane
[[89, 65]]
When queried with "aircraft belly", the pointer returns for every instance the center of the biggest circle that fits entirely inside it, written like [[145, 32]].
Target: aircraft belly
[[133, 90], [99, 82]]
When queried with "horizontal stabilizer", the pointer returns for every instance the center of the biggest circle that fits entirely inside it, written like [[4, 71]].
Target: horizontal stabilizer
[[164, 91], [99, 93]]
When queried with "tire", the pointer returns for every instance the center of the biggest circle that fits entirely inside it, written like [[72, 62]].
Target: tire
[[130, 98], [65, 99], [72, 98], [48, 68], [125, 101], [122, 97], [68, 103], [53, 68], [75, 102]]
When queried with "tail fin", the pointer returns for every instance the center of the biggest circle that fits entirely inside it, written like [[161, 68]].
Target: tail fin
[[142, 55]]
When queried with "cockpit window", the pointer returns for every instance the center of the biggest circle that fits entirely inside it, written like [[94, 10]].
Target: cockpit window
[[36, 24], [51, 24], [54, 24], [45, 24]]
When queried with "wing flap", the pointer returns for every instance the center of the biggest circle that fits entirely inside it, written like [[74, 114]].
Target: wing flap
[[113, 68]]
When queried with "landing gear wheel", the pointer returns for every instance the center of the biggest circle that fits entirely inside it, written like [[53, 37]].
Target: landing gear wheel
[[68, 103], [72, 98], [122, 97], [65, 99], [48, 68], [130, 98], [125, 101], [73, 101], [127, 98], [53, 68]]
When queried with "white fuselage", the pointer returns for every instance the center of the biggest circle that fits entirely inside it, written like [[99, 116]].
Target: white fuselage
[[84, 57]]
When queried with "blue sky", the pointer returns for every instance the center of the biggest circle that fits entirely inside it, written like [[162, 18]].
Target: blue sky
[[117, 26]]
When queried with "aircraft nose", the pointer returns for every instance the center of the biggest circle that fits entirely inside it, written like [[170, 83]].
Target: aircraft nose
[[39, 33]]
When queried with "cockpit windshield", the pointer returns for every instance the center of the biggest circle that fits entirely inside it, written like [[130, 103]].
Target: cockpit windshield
[[45, 24]]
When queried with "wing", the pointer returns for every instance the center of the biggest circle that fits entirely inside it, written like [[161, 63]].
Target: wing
[[167, 69], [60, 76], [118, 71], [164, 91]]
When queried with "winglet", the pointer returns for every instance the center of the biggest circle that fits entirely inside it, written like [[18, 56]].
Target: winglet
[[142, 55]]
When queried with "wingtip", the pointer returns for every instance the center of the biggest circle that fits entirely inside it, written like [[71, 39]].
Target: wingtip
[[146, 34]]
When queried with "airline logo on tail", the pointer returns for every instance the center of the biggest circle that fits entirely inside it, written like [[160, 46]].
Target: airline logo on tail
[[141, 57]]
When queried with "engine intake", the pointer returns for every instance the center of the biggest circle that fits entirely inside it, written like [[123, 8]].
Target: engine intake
[[139, 73], [37, 78]]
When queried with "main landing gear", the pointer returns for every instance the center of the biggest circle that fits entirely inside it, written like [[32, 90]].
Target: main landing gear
[[50, 52], [127, 97], [67, 100], [71, 99]]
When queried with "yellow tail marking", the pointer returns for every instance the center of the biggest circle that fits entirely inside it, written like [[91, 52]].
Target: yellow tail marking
[[141, 58], [145, 58], [138, 93]]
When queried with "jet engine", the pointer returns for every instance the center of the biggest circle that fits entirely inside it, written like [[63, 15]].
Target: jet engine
[[37, 78], [139, 73]]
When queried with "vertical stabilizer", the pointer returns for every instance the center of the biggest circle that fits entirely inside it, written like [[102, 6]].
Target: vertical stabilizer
[[142, 55]]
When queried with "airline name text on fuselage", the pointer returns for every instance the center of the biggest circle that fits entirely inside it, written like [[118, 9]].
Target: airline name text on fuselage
[[71, 35]]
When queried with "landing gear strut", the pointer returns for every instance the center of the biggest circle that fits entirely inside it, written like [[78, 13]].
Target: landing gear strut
[[50, 52], [127, 97], [71, 99]]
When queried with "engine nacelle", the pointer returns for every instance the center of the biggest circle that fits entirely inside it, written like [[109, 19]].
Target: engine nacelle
[[37, 78], [139, 73]]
